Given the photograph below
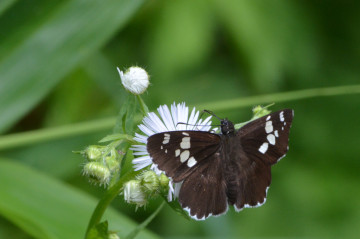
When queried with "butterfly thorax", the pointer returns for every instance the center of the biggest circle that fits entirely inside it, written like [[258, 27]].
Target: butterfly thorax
[[227, 127]]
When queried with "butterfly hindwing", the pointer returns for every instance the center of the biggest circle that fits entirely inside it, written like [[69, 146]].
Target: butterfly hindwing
[[203, 193], [178, 153], [247, 184]]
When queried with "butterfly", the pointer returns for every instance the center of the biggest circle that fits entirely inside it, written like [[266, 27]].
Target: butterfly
[[218, 170]]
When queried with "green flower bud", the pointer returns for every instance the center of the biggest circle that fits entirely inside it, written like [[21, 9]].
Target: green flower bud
[[113, 235], [260, 111], [133, 193], [113, 161], [93, 152], [150, 181], [164, 181], [97, 173]]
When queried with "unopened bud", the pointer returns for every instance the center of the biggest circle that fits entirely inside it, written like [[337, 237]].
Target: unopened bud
[[259, 111], [93, 152], [164, 181], [97, 173], [135, 80], [133, 193], [150, 181], [113, 161]]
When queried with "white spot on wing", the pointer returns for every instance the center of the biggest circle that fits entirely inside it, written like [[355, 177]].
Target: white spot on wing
[[166, 139], [166, 151], [185, 143], [268, 117], [263, 148], [184, 156], [276, 133], [191, 162], [282, 116], [177, 152], [271, 139], [184, 133], [269, 127]]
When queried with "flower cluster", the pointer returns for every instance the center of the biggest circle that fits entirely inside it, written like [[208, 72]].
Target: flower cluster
[[101, 164]]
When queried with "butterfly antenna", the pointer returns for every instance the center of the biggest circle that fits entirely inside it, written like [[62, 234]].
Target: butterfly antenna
[[211, 113]]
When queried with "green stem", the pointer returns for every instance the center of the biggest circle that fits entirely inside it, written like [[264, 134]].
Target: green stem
[[281, 97], [42, 135], [145, 223], [106, 200], [143, 107]]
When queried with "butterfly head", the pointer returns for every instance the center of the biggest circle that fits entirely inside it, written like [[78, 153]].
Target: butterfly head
[[227, 127]]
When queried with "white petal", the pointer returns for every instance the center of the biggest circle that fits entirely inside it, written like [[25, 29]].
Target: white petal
[[141, 153], [166, 117], [183, 112], [192, 119], [174, 114], [140, 138], [145, 130], [171, 191], [142, 159], [153, 122]]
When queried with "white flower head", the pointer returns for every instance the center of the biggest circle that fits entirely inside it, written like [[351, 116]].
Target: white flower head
[[135, 80], [175, 119]]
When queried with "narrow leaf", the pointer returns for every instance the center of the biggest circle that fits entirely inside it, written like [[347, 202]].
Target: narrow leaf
[[47, 208], [69, 35]]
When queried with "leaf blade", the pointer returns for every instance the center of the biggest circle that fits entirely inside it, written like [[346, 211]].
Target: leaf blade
[[47, 208], [34, 67]]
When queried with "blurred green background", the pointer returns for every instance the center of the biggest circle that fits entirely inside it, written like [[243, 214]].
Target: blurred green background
[[58, 64]]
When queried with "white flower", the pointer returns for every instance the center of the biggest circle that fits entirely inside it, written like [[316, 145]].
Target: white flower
[[170, 120], [135, 80]]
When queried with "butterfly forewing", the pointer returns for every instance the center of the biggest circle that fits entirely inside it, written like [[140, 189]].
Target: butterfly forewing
[[178, 153], [267, 138]]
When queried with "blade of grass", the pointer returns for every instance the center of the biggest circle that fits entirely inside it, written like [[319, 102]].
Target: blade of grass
[[70, 34], [44, 207], [5, 4], [36, 136]]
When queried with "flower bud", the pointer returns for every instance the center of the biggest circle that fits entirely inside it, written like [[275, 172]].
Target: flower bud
[[260, 111], [93, 152], [97, 173], [112, 161], [164, 181], [135, 80], [150, 181], [133, 193], [113, 235]]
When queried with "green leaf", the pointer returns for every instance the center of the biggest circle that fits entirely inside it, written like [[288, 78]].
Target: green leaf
[[47, 208], [177, 208], [100, 231], [113, 137], [5, 4], [67, 36]]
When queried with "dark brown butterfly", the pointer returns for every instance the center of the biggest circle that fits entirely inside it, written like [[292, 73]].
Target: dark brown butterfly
[[217, 170]]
